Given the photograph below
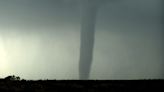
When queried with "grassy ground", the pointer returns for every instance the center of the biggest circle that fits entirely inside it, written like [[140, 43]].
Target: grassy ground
[[81, 85]]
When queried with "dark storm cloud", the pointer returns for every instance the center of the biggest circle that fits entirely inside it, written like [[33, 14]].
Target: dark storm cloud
[[36, 13]]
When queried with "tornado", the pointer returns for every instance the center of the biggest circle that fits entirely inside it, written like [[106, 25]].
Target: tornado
[[87, 41]]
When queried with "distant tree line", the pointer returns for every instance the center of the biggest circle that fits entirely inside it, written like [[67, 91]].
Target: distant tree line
[[12, 78]]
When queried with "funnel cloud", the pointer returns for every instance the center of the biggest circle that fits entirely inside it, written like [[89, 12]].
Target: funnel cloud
[[72, 39]]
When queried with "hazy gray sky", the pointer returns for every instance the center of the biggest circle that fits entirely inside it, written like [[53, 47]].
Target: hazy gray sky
[[40, 39]]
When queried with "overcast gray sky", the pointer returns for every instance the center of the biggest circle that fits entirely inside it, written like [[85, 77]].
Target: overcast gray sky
[[40, 39]]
